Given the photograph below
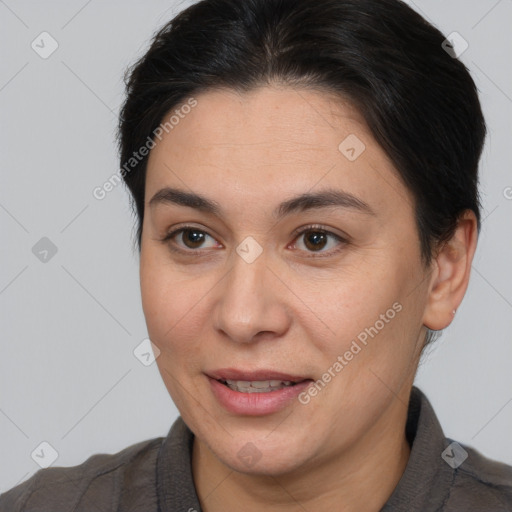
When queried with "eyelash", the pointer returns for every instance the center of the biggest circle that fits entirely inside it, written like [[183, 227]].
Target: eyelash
[[296, 234]]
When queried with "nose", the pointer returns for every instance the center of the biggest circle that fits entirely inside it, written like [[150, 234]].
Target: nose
[[252, 302]]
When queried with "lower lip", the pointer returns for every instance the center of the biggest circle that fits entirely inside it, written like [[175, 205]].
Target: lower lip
[[256, 404]]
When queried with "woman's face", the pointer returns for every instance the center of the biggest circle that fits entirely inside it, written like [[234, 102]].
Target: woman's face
[[265, 286]]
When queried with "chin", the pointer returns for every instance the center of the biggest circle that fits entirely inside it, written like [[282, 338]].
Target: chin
[[255, 455]]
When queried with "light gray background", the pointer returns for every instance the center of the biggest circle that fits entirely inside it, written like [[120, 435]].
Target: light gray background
[[69, 326]]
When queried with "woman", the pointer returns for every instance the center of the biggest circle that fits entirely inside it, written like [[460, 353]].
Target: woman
[[305, 179]]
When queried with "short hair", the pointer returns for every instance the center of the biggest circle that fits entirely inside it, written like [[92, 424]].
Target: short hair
[[419, 102]]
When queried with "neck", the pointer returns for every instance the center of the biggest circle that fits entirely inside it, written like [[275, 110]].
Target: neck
[[361, 477]]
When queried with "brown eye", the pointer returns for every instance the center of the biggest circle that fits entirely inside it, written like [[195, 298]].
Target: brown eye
[[188, 238], [192, 238], [315, 239]]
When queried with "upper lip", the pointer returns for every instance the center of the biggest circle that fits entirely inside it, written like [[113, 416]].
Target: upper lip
[[254, 375]]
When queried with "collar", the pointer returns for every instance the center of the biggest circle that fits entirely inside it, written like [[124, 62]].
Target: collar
[[425, 471]]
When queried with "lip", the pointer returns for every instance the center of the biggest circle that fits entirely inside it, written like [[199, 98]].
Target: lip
[[235, 374], [255, 404]]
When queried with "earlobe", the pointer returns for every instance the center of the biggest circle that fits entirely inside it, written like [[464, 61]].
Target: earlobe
[[450, 274]]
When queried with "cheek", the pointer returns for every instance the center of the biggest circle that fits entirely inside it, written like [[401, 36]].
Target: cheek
[[173, 305], [352, 298], [156, 304], [160, 310], [368, 314]]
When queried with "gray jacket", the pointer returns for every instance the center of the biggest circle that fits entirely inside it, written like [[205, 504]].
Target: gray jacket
[[156, 476]]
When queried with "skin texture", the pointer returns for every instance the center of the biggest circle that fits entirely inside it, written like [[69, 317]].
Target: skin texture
[[296, 308]]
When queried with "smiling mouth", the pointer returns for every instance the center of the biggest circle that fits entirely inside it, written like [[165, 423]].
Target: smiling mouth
[[257, 386]]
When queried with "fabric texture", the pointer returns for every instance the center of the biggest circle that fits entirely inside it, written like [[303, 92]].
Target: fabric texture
[[156, 476]]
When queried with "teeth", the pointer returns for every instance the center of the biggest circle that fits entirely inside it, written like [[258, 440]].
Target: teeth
[[257, 386]]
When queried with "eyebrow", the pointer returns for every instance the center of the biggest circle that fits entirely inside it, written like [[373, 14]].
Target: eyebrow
[[303, 202]]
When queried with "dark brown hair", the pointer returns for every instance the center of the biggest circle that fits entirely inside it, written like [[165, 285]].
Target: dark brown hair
[[419, 102]]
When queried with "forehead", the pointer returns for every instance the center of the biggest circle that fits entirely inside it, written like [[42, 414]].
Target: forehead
[[266, 118], [270, 141]]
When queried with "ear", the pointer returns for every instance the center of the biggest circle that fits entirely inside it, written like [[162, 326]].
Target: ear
[[451, 269]]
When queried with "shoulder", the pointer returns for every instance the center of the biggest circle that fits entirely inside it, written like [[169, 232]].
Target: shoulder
[[99, 480], [481, 484]]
